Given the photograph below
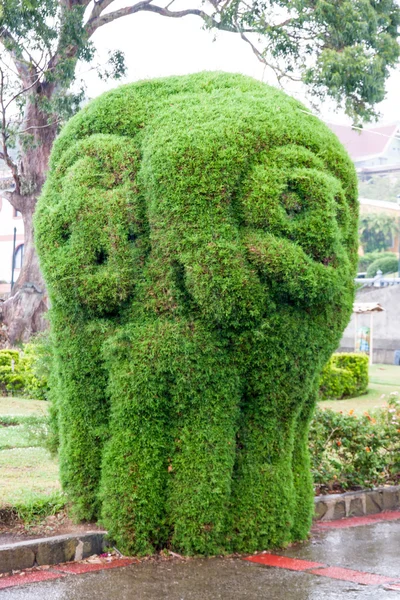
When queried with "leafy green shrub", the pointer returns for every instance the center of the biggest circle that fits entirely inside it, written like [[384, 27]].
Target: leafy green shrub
[[344, 376], [11, 378], [198, 236], [37, 508], [367, 259], [348, 451], [35, 367], [26, 372], [386, 265]]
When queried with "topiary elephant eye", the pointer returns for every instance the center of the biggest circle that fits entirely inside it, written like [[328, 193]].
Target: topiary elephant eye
[[295, 214], [291, 194], [91, 228]]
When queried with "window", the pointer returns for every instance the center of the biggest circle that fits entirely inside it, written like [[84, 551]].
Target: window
[[19, 257]]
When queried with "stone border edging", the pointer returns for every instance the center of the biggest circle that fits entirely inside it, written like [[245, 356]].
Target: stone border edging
[[357, 504], [50, 551], [74, 547]]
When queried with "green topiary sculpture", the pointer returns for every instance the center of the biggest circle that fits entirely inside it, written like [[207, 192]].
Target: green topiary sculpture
[[198, 236]]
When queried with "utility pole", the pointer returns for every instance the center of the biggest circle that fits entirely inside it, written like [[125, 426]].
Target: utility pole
[[13, 258]]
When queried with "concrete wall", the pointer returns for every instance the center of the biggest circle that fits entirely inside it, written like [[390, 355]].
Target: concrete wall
[[386, 325]]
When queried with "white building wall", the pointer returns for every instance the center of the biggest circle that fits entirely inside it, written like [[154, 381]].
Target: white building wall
[[8, 221]]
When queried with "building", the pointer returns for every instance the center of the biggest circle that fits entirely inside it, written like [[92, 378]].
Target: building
[[374, 151], [10, 219], [386, 328]]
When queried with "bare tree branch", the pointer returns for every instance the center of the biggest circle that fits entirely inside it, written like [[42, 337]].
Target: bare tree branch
[[6, 157], [10, 44], [146, 5], [35, 127], [21, 92]]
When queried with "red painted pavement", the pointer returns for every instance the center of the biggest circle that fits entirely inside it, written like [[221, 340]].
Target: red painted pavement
[[24, 578], [283, 562], [391, 515], [78, 568], [58, 571], [353, 576]]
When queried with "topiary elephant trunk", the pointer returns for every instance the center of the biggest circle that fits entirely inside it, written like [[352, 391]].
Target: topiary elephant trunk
[[198, 236]]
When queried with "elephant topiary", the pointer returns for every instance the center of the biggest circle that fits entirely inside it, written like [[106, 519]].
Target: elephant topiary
[[198, 236]]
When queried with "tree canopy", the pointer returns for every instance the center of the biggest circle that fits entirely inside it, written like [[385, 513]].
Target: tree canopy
[[377, 231]]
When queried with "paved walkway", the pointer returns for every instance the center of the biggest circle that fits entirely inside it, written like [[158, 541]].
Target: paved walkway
[[356, 558]]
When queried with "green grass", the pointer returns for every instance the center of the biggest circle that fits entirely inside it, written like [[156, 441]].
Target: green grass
[[14, 437], [385, 375], [28, 474], [383, 380], [23, 407]]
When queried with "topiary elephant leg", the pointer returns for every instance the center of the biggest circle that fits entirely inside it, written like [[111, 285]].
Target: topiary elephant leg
[[135, 462], [263, 493], [207, 400], [303, 511], [82, 411]]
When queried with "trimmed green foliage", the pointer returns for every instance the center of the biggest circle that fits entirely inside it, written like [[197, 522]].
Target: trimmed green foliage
[[386, 265], [199, 240], [344, 376]]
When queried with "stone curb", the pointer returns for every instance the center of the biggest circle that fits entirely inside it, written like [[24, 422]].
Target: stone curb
[[69, 547], [50, 551], [357, 504]]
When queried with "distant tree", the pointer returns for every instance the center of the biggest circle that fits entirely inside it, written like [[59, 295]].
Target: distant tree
[[380, 188], [341, 49], [376, 231]]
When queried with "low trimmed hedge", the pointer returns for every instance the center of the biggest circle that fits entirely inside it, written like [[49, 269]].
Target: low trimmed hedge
[[368, 258], [386, 265], [344, 376]]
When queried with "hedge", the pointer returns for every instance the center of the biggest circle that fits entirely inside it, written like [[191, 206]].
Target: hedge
[[369, 257], [198, 236], [344, 376], [386, 265]]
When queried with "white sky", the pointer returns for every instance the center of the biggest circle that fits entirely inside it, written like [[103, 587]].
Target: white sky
[[157, 46]]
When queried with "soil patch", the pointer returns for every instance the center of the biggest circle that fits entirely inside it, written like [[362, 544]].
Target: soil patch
[[14, 530]]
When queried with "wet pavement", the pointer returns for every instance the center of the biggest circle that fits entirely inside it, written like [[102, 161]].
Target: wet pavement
[[370, 549]]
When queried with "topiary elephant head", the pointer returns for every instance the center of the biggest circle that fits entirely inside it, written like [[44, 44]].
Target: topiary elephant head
[[198, 236]]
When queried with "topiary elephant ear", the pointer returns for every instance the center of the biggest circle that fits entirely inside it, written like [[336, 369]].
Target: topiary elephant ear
[[89, 230]]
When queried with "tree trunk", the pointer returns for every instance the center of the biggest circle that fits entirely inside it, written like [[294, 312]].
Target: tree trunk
[[24, 312]]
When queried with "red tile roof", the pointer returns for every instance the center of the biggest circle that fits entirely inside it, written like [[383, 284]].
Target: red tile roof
[[360, 144]]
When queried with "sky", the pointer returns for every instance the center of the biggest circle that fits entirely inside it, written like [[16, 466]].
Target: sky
[[157, 46]]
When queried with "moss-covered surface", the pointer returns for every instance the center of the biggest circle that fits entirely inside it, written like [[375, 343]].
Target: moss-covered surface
[[198, 236]]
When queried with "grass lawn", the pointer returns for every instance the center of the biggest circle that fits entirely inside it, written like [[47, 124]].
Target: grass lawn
[[23, 407], [383, 380], [14, 437], [28, 474]]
